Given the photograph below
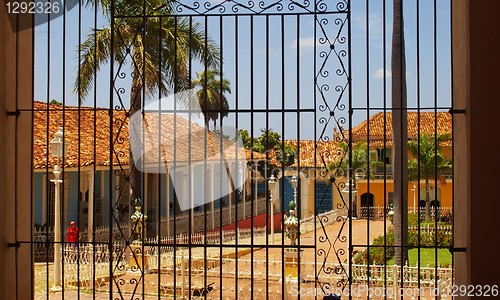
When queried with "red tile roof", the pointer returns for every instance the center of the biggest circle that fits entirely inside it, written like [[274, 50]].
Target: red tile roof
[[324, 152], [93, 131], [427, 125], [88, 128]]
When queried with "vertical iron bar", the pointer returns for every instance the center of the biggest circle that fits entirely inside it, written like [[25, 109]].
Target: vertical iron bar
[[63, 164], [79, 147], [236, 97], [190, 171], [174, 178], [283, 278], [206, 141], [111, 146], [144, 175], [369, 198], [94, 148], [452, 149], [221, 208], [271, 203], [220, 131], [48, 216], [298, 205], [401, 112], [236, 150], [384, 65], [436, 146], [160, 160], [418, 142], [32, 151], [315, 138], [349, 46], [251, 142]]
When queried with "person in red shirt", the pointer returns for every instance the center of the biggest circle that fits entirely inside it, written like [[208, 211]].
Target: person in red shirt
[[72, 236]]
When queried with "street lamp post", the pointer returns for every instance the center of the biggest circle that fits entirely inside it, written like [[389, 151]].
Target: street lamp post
[[292, 222], [272, 182], [353, 201], [414, 189], [293, 181], [56, 148]]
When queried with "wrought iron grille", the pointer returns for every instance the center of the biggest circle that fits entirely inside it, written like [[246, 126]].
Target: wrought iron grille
[[197, 134]]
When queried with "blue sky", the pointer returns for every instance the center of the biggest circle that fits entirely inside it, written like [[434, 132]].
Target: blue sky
[[56, 63]]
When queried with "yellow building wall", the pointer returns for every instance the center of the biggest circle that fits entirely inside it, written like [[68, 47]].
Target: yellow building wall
[[376, 187]]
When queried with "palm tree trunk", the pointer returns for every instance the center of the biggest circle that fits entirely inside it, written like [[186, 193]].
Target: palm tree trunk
[[427, 201], [400, 135]]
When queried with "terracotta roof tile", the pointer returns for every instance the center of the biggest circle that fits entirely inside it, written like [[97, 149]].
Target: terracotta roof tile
[[325, 151], [93, 131], [427, 124]]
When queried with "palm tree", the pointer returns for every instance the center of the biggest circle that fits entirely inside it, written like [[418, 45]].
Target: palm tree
[[400, 134], [211, 96], [361, 166], [429, 157], [157, 49]]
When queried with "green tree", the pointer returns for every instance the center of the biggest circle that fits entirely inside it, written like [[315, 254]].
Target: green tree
[[361, 165], [210, 95], [429, 163], [268, 141], [249, 142], [399, 134], [157, 49]]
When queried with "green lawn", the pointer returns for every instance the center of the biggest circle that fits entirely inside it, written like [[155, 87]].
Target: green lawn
[[427, 257]]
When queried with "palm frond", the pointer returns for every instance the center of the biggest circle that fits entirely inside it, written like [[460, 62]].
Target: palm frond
[[95, 51]]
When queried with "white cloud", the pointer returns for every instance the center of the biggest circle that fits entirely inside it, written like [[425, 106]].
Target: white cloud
[[305, 43], [379, 73]]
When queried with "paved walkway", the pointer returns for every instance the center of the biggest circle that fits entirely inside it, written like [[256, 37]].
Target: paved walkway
[[257, 275]]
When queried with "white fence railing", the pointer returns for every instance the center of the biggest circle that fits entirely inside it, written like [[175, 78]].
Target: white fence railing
[[87, 265], [445, 229], [412, 275], [380, 211], [95, 258], [166, 244]]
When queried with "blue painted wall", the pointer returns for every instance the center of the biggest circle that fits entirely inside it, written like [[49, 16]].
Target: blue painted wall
[[38, 197], [109, 195], [72, 214], [323, 197]]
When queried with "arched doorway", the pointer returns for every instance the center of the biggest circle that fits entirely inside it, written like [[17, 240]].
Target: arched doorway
[[367, 203]]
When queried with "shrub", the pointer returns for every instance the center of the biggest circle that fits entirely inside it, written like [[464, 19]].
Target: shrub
[[377, 253], [446, 217], [413, 219]]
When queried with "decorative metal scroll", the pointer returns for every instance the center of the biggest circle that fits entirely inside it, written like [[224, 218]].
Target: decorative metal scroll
[[332, 81]]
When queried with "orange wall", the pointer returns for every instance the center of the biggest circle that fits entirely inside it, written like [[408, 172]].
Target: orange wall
[[377, 189]]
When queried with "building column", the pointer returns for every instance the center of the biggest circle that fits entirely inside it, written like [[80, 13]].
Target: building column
[[228, 196], [90, 215], [16, 142], [167, 192], [191, 196], [212, 200], [475, 81]]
